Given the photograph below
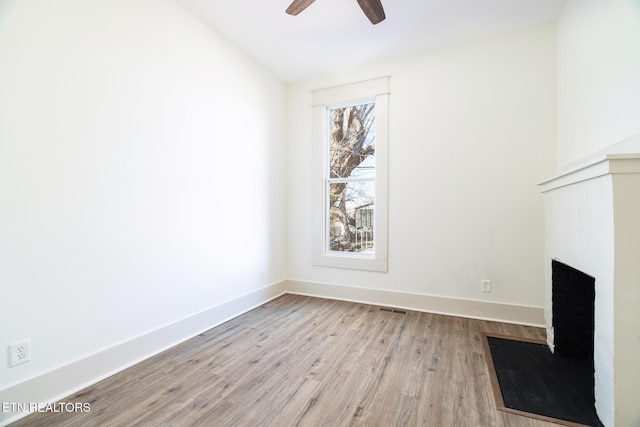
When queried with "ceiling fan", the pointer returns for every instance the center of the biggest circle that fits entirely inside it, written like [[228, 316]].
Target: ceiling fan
[[372, 8]]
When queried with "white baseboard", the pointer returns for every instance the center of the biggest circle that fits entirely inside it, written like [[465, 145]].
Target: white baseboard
[[483, 310], [62, 382]]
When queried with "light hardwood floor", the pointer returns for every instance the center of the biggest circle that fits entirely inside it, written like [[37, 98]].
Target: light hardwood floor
[[303, 361]]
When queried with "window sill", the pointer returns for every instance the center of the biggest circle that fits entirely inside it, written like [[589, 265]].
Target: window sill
[[350, 261]]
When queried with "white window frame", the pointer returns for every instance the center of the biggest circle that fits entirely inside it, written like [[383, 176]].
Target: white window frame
[[377, 90]]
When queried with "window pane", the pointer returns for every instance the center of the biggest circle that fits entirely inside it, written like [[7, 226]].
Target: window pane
[[351, 210], [352, 133]]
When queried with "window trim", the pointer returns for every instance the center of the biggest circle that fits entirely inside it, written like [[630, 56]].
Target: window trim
[[377, 90]]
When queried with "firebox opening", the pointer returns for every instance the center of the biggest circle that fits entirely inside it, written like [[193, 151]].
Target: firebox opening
[[573, 310]]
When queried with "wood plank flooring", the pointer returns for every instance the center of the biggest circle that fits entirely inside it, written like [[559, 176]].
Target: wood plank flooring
[[303, 361]]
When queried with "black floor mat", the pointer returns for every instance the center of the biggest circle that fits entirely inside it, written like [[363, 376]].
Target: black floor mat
[[534, 380]]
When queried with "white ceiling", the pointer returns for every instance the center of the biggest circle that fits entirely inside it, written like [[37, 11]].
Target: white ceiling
[[335, 33]]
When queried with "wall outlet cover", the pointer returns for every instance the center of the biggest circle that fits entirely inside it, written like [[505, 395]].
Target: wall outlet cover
[[19, 353]]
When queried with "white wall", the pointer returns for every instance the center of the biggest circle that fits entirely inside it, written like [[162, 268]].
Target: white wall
[[141, 169], [598, 84], [472, 129]]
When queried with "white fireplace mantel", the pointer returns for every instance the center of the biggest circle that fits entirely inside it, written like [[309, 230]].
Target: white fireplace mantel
[[592, 223], [601, 166]]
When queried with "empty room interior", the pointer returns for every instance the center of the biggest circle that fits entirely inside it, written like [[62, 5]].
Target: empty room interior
[[168, 201]]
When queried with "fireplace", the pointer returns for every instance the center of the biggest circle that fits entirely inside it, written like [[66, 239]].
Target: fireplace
[[573, 305], [592, 225]]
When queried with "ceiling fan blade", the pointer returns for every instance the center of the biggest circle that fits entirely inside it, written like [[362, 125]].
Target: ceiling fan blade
[[373, 9], [298, 6]]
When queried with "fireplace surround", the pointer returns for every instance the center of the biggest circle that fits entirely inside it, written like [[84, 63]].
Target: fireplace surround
[[592, 223]]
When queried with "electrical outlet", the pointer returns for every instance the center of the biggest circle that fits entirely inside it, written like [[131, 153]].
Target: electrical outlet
[[263, 275], [19, 353], [485, 285]]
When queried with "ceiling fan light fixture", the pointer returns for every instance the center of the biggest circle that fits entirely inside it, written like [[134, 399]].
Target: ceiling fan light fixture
[[298, 6], [371, 8]]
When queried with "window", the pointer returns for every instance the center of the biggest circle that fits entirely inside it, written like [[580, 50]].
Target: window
[[350, 171], [350, 184]]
